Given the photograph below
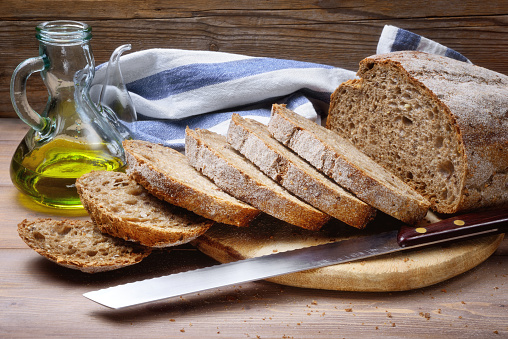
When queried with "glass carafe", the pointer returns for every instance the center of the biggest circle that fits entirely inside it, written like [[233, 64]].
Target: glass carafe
[[73, 135]]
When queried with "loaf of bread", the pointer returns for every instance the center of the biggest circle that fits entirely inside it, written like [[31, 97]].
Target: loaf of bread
[[340, 160], [123, 208], [253, 140], [210, 153], [441, 125], [167, 174], [78, 244]]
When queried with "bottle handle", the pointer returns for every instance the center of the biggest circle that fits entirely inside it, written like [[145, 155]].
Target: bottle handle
[[18, 94]]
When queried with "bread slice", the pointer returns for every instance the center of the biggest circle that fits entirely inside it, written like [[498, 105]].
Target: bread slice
[[123, 208], [439, 124], [339, 159], [78, 244], [253, 140], [209, 153], [167, 174]]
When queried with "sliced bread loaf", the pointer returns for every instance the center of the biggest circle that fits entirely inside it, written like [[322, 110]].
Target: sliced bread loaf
[[78, 244], [439, 124], [167, 174], [339, 159], [123, 208], [209, 153], [253, 140]]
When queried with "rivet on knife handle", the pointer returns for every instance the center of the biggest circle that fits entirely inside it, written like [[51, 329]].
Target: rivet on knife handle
[[492, 222]]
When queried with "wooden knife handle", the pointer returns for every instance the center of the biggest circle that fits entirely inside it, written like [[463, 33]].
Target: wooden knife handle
[[461, 226]]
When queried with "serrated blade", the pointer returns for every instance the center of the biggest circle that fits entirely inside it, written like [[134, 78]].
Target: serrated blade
[[245, 270], [242, 271]]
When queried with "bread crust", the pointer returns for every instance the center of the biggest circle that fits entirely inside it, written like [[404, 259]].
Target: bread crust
[[154, 167], [472, 102], [123, 208], [253, 140], [79, 245], [340, 160], [209, 153]]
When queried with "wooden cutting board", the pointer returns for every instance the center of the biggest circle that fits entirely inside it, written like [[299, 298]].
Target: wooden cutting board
[[401, 271]]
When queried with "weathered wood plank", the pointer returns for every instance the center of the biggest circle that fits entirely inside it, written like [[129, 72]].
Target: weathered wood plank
[[335, 33], [339, 43], [351, 9], [41, 299]]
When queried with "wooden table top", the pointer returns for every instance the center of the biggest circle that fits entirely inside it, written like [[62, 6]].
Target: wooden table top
[[41, 299]]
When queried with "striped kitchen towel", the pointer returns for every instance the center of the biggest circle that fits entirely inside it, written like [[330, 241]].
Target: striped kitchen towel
[[395, 39], [172, 89]]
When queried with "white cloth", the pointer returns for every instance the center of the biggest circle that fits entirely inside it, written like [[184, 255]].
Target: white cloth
[[172, 89]]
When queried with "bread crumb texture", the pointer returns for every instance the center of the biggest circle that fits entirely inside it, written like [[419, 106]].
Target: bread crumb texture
[[210, 153], [123, 208], [80, 245], [441, 125], [167, 174], [340, 160], [253, 140]]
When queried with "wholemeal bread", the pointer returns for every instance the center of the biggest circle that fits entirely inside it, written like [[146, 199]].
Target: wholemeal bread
[[343, 162], [253, 140], [167, 174], [209, 153], [440, 124], [123, 208], [78, 244]]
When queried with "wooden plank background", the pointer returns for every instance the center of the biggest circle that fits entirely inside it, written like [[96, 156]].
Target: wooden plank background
[[338, 33]]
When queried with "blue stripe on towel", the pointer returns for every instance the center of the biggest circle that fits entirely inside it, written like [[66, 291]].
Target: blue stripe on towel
[[409, 41], [405, 40], [172, 132], [450, 53], [189, 77]]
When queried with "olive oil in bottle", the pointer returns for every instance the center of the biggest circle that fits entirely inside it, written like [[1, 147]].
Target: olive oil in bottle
[[48, 174]]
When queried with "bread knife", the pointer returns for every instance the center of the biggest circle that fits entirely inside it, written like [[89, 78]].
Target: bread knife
[[263, 267]]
